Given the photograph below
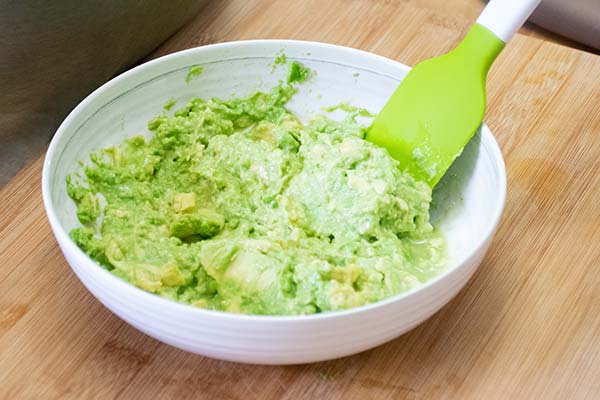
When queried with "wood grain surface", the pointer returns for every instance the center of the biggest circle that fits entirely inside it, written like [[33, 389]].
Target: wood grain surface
[[527, 326]]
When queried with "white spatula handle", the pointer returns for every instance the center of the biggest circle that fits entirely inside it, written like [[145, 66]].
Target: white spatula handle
[[505, 17]]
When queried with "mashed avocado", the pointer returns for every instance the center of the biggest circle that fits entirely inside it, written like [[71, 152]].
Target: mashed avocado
[[236, 205]]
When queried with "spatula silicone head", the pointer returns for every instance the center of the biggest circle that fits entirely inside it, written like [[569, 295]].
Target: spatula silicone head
[[441, 102]]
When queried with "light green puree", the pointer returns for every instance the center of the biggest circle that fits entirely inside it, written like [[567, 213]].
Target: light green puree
[[236, 205]]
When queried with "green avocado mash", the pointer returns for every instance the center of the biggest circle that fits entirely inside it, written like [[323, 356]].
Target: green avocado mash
[[236, 205], [193, 72]]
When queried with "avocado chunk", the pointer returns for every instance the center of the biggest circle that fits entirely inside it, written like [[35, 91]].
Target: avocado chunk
[[201, 224]]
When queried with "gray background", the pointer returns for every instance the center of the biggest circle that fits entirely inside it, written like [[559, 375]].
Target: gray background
[[55, 52]]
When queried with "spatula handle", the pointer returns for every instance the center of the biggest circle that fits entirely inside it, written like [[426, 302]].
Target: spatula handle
[[505, 17]]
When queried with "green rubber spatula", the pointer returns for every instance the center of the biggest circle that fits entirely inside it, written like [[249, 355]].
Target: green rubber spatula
[[440, 104]]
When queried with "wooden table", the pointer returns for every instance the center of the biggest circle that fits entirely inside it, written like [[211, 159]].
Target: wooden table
[[526, 326]]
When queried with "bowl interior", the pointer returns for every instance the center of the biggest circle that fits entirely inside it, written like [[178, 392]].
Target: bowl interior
[[467, 202]]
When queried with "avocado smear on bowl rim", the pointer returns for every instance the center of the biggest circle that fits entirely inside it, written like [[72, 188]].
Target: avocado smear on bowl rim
[[235, 205]]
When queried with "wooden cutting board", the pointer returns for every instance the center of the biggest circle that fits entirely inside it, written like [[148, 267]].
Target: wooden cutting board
[[526, 326]]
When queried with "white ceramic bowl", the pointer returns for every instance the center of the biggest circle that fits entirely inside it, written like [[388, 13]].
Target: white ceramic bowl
[[469, 202]]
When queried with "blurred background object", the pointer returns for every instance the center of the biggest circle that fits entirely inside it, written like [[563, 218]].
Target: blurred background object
[[578, 20], [54, 53]]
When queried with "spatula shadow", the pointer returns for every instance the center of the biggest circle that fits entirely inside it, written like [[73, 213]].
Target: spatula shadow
[[447, 194]]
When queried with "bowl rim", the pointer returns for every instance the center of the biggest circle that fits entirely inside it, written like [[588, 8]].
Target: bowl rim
[[68, 245]]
